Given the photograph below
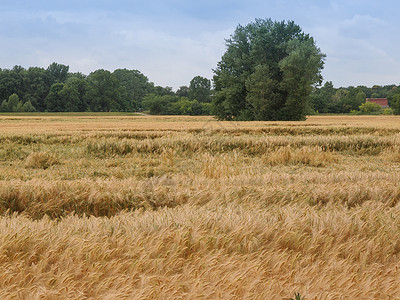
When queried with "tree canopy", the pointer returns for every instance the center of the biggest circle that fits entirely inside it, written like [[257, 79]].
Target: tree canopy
[[200, 89], [267, 72]]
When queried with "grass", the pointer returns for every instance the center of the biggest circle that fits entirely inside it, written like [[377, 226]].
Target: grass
[[140, 207]]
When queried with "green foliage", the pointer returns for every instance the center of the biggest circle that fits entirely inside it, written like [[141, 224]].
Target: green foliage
[[206, 109], [246, 81], [73, 94], [28, 107], [57, 73], [12, 82], [388, 111], [14, 104], [200, 89], [370, 107], [396, 104], [55, 89], [183, 91], [103, 91], [54, 101], [321, 98], [297, 296], [159, 105], [133, 87], [267, 72], [347, 99], [355, 112], [36, 81], [185, 106], [4, 106], [13, 101], [172, 105], [161, 91], [360, 98]]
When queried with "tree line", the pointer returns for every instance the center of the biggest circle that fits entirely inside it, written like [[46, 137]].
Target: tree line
[[328, 99], [55, 89]]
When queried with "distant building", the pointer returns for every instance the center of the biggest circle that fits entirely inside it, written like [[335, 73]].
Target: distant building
[[383, 102]]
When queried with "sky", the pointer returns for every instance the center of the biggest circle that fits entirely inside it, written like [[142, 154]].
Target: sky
[[172, 41]]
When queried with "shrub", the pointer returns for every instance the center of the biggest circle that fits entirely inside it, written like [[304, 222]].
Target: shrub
[[388, 111], [369, 107], [354, 112]]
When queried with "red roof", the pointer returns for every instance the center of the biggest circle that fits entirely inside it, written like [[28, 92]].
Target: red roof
[[380, 101]]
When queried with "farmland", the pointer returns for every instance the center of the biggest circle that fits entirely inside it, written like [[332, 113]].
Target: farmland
[[145, 207]]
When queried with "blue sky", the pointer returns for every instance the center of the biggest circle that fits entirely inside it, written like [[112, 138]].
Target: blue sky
[[172, 41]]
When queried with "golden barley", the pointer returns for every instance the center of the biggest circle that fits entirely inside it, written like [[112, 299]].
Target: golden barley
[[125, 207]]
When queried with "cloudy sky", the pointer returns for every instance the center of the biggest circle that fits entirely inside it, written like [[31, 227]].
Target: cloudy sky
[[171, 41]]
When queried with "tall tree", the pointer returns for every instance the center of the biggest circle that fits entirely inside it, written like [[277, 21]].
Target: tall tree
[[267, 72], [162, 91], [183, 91], [103, 91], [73, 94], [57, 73], [12, 82], [36, 87], [54, 101], [396, 104], [320, 98], [200, 89], [134, 86]]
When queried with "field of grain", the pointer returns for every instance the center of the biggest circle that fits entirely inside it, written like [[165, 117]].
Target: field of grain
[[139, 207]]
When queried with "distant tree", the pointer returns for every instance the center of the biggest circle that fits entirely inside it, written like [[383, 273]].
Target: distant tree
[[13, 101], [54, 102], [73, 94], [12, 82], [366, 90], [183, 91], [4, 106], [133, 87], [55, 89], [396, 104], [78, 75], [28, 107], [200, 89], [36, 87], [353, 99], [320, 98], [57, 73], [360, 98], [267, 72], [160, 105], [14, 104], [103, 91], [337, 101], [185, 106], [161, 91]]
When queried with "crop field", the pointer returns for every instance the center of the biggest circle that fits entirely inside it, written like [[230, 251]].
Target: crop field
[[143, 207]]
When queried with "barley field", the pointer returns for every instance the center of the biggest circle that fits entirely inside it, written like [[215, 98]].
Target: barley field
[[140, 207]]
